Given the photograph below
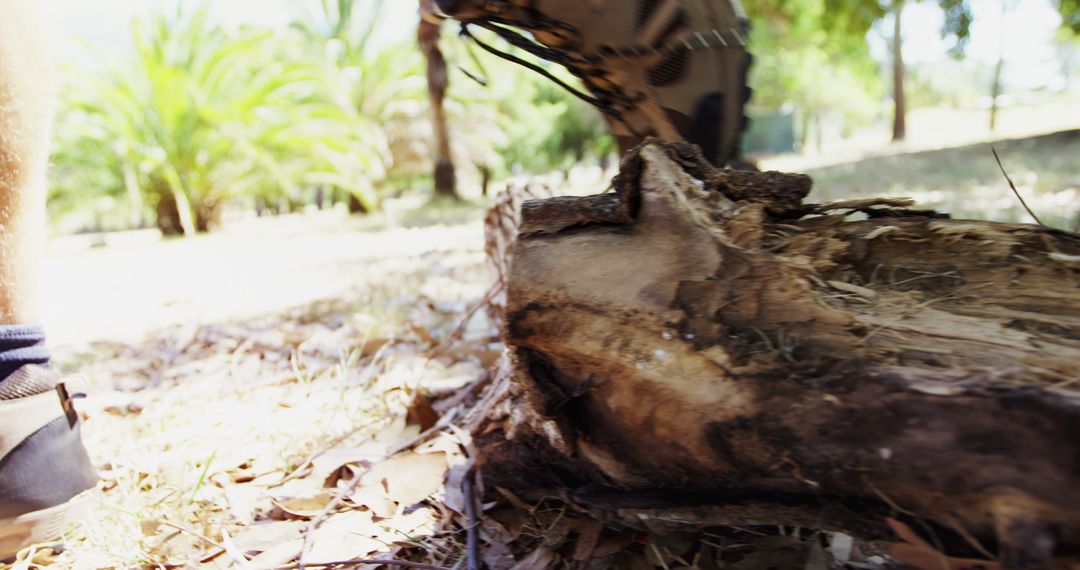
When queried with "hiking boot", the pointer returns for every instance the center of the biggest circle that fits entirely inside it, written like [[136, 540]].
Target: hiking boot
[[665, 68], [44, 468]]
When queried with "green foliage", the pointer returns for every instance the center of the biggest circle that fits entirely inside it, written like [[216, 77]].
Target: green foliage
[[1070, 15], [543, 126], [812, 54], [549, 128], [202, 117], [382, 92], [957, 25]]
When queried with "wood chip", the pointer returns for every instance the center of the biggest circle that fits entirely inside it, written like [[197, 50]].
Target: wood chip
[[849, 288]]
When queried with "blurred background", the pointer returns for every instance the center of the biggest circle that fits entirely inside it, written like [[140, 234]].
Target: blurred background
[[256, 125], [273, 106]]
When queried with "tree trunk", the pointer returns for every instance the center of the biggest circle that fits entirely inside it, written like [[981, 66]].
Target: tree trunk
[[701, 348], [485, 179], [207, 216], [438, 80], [995, 92], [995, 89], [357, 206], [167, 215], [899, 100]]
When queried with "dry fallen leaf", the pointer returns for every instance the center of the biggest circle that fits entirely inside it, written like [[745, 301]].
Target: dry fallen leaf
[[244, 501], [279, 555], [374, 345], [305, 507], [454, 498], [264, 536], [538, 559], [408, 478], [588, 536], [609, 545], [420, 522], [512, 521], [327, 468], [343, 537], [918, 553], [498, 556], [374, 499], [423, 333], [421, 413]]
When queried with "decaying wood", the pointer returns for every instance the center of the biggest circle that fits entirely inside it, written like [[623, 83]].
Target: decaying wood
[[702, 348]]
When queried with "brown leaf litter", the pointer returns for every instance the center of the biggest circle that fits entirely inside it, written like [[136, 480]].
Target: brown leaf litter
[[329, 434]]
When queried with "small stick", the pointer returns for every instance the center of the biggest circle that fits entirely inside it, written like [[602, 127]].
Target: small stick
[[359, 561], [472, 543], [242, 560], [1015, 191]]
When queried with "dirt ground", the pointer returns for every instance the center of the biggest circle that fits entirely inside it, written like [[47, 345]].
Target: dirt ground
[[134, 283], [231, 374]]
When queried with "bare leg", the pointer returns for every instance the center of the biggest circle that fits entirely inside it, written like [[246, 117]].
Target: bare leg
[[44, 468], [26, 94]]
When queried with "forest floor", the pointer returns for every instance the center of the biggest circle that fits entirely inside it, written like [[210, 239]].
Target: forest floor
[[272, 381]]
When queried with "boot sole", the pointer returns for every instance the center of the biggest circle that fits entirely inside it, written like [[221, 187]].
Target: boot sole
[[46, 525]]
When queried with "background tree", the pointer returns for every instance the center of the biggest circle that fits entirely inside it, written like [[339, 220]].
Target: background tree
[[1070, 15], [811, 56], [1007, 6], [380, 88], [438, 80], [957, 26]]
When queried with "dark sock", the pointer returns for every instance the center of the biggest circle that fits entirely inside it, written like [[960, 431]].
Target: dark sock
[[21, 345]]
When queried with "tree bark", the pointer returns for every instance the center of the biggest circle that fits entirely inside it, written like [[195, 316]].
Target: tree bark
[[438, 80], [899, 99], [701, 348]]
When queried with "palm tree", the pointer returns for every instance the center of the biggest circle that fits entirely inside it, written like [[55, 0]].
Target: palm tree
[[438, 80], [381, 89], [204, 116]]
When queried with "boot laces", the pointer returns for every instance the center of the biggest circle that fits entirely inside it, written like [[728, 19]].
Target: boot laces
[[613, 100]]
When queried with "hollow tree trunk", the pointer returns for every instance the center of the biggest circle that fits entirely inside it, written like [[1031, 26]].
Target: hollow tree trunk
[[437, 79], [701, 348]]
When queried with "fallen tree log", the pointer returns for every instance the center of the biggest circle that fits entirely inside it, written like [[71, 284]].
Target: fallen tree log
[[701, 348]]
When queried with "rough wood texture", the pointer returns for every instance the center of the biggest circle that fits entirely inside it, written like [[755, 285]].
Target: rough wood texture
[[702, 348]]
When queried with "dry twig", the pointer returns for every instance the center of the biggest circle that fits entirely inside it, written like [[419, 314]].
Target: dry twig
[[336, 442], [359, 561], [242, 561], [472, 542], [1015, 191]]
